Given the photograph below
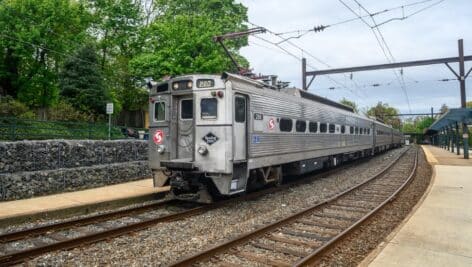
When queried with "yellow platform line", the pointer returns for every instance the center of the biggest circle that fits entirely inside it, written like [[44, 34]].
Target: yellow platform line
[[429, 156]]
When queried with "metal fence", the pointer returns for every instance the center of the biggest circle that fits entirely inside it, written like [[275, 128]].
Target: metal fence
[[13, 129]]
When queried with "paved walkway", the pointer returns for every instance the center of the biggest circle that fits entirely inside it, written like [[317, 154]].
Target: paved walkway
[[439, 233], [49, 203]]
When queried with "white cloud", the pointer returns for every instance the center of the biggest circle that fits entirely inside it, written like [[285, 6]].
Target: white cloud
[[430, 34]]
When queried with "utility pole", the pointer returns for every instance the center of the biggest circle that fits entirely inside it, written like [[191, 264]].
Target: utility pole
[[462, 77]]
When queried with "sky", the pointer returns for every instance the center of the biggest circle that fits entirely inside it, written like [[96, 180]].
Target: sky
[[432, 33]]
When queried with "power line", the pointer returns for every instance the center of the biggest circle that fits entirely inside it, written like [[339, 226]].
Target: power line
[[400, 79], [303, 32], [303, 51], [385, 50], [284, 50]]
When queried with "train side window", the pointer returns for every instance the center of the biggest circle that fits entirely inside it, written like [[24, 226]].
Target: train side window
[[361, 131], [351, 130], [239, 109], [313, 127], [209, 108], [186, 109], [323, 127], [331, 128], [160, 111], [356, 130], [343, 129], [286, 125], [368, 131], [300, 126]]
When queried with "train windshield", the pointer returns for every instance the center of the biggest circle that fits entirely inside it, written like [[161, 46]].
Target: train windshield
[[209, 108]]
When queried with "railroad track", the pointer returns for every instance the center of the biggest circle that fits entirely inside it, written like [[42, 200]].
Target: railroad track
[[300, 239], [20, 246]]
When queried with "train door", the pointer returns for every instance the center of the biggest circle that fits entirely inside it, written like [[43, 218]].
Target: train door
[[239, 127], [185, 127]]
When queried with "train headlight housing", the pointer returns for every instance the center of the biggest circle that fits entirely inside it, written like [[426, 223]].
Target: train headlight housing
[[161, 149], [202, 150]]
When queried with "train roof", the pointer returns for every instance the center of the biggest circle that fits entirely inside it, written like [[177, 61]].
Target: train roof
[[291, 91]]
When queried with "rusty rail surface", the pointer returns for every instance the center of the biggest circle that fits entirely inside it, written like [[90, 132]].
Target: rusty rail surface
[[229, 247]]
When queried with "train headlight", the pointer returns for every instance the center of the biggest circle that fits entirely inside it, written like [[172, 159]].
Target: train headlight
[[202, 150], [189, 84], [161, 149]]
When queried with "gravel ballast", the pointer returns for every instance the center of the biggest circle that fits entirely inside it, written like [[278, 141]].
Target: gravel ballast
[[167, 242]]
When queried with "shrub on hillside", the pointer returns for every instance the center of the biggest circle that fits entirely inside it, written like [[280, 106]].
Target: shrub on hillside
[[10, 107]]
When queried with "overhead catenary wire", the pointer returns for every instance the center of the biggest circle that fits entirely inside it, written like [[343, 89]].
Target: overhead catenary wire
[[389, 51], [302, 32], [305, 52], [382, 44]]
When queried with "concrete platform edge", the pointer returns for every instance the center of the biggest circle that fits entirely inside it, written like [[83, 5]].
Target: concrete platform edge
[[81, 209], [374, 253]]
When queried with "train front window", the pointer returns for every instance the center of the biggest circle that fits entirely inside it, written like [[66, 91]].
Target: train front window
[[160, 111], [209, 108], [186, 109]]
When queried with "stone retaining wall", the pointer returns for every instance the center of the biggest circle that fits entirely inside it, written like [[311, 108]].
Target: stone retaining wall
[[34, 168]]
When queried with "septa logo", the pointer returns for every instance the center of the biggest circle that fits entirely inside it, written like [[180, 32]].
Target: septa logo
[[158, 137], [271, 124]]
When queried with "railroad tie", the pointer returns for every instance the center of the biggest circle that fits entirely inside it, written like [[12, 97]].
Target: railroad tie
[[262, 259]]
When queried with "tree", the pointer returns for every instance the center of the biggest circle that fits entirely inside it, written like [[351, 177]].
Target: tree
[[417, 125], [82, 83], [468, 104], [349, 103], [386, 113], [444, 108], [180, 40], [36, 36]]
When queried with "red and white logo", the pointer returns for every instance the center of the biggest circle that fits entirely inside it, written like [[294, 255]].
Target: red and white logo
[[271, 124], [158, 137]]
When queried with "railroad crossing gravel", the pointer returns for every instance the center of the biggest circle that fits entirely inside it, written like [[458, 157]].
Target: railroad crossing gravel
[[167, 242]]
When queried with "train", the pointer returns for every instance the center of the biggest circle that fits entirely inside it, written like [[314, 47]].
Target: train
[[222, 135]]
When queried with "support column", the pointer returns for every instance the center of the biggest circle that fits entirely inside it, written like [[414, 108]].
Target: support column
[[458, 139], [453, 138], [465, 139]]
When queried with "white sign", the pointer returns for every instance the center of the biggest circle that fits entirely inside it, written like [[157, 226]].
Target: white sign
[[465, 136], [109, 108]]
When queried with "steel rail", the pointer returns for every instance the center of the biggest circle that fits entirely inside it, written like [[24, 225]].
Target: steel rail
[[315, 255], [20, 256], [244, 238], [12, 236]]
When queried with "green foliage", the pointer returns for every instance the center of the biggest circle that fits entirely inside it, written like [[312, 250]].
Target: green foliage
[[386, 113], [417, 125], [82, 82], [64, 111], [46, 55], [349, 103], [181, 39], [468, 104], [21, 129], [35, 36], [13, 108]]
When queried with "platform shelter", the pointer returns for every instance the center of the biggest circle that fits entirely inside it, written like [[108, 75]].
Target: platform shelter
[[450, 131]]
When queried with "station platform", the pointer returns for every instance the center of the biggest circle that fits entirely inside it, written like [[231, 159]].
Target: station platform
[[78, 199], [439, 230]]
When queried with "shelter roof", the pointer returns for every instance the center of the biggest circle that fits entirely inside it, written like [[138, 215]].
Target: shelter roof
[[450, 118]]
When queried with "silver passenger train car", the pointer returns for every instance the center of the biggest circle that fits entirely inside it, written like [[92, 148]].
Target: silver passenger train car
[[221, 135]]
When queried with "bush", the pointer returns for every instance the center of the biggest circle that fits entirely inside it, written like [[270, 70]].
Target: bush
[[64, 111], [10, 107]]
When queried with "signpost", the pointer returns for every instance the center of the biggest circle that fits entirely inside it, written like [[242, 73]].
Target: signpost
[[109, 112]]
